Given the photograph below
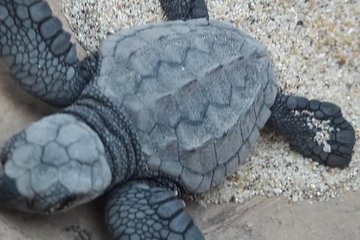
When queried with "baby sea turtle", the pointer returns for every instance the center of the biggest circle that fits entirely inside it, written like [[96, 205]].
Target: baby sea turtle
[[162, 109]]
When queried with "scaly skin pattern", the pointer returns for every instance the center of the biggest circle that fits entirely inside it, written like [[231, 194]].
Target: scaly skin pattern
[[302, 122], [38, 52], [184, 10], [142, 211], [55, 163], [197, 93], [121, 143]]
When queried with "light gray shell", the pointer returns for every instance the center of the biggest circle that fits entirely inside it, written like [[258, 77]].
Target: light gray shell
[[197, 92]]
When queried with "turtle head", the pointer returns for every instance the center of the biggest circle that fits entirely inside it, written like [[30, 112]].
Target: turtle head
[[56, 163]]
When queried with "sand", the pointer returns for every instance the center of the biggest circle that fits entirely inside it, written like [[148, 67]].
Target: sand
[[315, 46]]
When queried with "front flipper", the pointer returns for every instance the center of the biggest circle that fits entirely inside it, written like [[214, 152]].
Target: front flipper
[[315, 129], [38, 52], [141, 211], [184, 9]]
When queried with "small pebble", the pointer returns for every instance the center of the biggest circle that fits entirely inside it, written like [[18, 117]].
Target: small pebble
[[300, 23]]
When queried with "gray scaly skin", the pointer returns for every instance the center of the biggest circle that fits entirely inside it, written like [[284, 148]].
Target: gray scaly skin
[[123, 133], [38, 52]]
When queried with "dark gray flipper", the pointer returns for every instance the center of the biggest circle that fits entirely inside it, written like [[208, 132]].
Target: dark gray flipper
[[38, 52], [315, 129], [184, 9], [140, 211]]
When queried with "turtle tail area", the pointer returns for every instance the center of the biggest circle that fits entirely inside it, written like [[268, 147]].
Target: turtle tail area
[[139, 210], [315, 129]]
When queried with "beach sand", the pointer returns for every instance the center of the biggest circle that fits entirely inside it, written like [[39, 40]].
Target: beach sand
[[278, 194]]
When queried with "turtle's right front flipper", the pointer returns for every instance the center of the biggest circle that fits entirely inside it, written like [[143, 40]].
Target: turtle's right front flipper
[[38, 52]]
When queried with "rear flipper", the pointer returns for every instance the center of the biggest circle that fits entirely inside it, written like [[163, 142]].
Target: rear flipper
[[184, 9], [38, 52], [315, 129], [141, 211]]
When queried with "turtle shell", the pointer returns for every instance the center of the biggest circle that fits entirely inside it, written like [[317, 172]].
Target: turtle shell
[[197, 93]]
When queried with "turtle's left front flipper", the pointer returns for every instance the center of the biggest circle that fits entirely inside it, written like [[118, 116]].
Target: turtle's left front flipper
[[38, 52], [315, 129], [143, 211]]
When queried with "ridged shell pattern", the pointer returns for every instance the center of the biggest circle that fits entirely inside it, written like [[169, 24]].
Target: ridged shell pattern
[[197, 92]]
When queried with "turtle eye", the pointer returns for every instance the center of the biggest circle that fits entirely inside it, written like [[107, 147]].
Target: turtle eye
[[56, 163]]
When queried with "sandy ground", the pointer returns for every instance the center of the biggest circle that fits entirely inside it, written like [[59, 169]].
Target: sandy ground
[[258, 218]]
